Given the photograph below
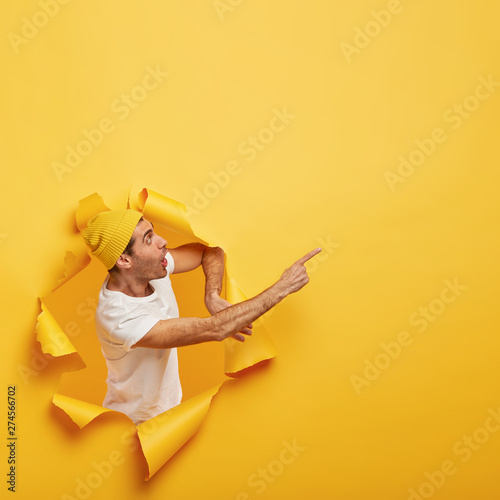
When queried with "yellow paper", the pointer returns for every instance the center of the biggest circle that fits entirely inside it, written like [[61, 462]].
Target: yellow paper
[[81, 412], [368, 128], [164, 434], [170, 213], [50, 335], [256, 348]]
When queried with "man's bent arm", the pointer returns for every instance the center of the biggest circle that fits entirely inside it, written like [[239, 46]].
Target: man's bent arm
[[212, 263], [177, 332], [189, 256]]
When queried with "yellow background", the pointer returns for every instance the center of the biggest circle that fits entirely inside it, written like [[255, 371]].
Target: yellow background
[[320, 179]]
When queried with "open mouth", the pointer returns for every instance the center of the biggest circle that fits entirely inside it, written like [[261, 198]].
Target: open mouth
[[164, 262]]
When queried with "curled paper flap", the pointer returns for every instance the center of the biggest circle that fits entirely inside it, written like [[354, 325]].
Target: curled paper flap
[[256, 348], [87, 208], [51, 336], [80, 412], [162, 436], [166, 433], [166, 211]]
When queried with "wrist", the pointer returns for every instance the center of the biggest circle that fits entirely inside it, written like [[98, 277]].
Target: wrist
[[210, 296], [279, 290]]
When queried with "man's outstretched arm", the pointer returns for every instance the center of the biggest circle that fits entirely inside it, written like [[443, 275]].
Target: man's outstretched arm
[[177, 332]]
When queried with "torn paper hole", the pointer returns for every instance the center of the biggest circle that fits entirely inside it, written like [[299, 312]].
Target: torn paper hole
[[65, 326]]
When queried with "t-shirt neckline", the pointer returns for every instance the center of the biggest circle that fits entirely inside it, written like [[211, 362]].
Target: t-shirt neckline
[[147, 298]]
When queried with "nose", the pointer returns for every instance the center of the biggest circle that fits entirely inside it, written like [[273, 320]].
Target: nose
[[162, 242]]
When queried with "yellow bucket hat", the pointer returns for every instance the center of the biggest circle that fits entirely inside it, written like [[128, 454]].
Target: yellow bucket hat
[[108, 234]]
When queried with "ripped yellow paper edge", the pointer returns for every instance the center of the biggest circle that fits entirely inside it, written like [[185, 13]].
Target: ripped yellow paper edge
[[51, 336], [173, 428]]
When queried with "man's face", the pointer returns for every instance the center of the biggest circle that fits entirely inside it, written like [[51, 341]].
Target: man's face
[[148, 252]]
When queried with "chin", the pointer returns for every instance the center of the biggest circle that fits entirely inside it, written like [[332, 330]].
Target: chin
[[158, 275]]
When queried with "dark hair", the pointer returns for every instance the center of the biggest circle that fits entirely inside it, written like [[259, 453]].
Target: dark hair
[[128, 250]]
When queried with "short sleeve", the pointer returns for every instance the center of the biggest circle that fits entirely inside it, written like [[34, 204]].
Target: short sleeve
[[128, 331], [170, 263], [131, 330]]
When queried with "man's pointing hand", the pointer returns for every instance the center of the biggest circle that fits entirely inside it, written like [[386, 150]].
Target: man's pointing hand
[[295, 277]]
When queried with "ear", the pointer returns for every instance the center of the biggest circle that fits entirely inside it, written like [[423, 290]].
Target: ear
[[124, 261]]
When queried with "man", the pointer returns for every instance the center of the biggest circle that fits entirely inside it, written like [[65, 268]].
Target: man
[[137, 318]]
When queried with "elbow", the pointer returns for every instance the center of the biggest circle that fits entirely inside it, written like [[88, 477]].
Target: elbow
[[217, 251]]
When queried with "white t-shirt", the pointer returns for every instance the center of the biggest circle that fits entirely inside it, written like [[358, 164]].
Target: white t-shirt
[[142, 382]]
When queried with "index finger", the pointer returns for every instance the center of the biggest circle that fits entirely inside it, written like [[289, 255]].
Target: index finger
[[309, 255]]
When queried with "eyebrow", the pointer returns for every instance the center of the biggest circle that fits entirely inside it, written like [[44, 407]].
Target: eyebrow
[[147, 232]]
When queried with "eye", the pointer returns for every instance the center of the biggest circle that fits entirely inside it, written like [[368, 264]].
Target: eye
[[149, 239]]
